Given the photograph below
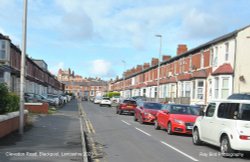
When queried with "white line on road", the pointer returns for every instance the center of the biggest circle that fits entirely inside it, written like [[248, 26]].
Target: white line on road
[[125, 122], [190, 157], [143, 131]]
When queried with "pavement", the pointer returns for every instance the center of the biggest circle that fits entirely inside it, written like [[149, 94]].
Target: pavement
[[50, 138], [118, 138]]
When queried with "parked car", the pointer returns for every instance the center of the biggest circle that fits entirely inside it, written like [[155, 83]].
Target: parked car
[[177, 118], [35, 98], [97, 99], [225, 124], [53, 97], [84, 98], [143, 98], [115, 99], [239, 96], [127, 105], [145, 112], [105, 101]]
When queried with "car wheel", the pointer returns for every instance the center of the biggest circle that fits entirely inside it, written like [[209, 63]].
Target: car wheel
[[157, 127], [135, 119], [141, 120], [225, 147], [120, 112], [196, 137], [169, 130]]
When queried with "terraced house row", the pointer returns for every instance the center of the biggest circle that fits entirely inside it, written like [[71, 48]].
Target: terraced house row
[[213, 70], [38, 79]]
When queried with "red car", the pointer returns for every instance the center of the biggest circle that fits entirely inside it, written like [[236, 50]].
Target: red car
[[177, 118], [126, 106], [145, 112]]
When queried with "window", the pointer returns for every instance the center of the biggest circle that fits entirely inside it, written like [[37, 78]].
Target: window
[[216, 56], [226, 51], [2, 50], [200, 88], [228, 110], [210, 110], [245, 112], [202, 59], [225, 88], [210, 87], [187, 89], [156, 92], [216, 87], [211, 56], [194, 89]]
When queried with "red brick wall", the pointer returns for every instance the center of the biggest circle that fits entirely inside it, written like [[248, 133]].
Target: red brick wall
[[196, 59], [10, 125], [206, 58], [43, 109]]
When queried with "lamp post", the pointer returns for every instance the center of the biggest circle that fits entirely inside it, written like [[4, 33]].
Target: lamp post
[[158, 71], [124, 64], [22, 73]]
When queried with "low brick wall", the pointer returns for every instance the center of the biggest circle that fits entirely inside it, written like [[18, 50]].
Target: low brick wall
[[10, 122], [42, 108]]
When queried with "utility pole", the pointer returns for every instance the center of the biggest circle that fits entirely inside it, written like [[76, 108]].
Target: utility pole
[[22, 75], [158, 70]]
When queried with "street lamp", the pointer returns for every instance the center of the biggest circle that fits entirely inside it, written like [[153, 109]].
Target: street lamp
[[22, 72], [124, 63], [158, 71]]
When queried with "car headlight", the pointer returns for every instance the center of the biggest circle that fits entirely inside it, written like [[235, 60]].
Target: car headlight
[[179, 121]]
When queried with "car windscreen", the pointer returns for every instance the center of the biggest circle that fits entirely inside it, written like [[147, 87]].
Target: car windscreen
[[245, 112], [129, 102], [155, 106], [106, 98], [182, 109]]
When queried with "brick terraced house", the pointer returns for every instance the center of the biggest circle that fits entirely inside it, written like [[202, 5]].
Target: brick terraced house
[[213, 70], [38, 79], [80, 86]]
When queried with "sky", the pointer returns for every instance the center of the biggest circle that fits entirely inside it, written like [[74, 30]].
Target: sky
[[102, 38]]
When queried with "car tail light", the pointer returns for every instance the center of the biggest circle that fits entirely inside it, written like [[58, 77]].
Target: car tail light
[[242, 137]]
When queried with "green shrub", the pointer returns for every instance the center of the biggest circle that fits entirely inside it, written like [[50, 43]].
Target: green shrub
[[9, 102], [111, 94]]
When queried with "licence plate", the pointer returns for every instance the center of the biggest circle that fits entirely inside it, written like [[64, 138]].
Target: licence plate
[[189, 127], [129, 106]]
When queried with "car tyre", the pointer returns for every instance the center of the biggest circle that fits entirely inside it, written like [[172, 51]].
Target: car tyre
[[157, 127], [120, 112], [141, 120], [225, 147], [169, 130], [135, 119], [196, 137]]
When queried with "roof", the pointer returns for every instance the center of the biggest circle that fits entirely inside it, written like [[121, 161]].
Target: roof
[[183, 77], [200, 74], [224, 69], [191, 51]]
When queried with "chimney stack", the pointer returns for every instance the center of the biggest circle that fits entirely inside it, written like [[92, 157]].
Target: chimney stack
[[165, 57], [154, 61], [182, 48], [139, 68], [146, 66]]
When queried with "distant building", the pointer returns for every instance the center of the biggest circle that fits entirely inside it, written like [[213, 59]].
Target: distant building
[[38, 79], [80, 86]]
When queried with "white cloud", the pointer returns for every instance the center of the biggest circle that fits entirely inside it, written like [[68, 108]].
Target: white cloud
[[102, 68], [54, 69]]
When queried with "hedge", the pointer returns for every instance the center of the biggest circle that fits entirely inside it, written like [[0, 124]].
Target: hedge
[[9, 102]]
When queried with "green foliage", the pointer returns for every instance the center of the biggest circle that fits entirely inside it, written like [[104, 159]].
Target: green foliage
[[112, 94], [9, 102]]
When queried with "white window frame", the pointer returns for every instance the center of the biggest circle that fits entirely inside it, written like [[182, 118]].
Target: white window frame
[[225, 88], [202, 59], [211, 57], [226, 51], [200, 89], [216, 57]]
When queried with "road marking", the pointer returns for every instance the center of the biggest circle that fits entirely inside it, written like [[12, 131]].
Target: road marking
[[190, 157], [125, 122], [143, 131]]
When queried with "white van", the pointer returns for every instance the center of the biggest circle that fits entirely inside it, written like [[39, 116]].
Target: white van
[[225, 124]]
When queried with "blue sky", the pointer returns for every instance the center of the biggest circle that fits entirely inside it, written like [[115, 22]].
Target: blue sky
[[92, 37]]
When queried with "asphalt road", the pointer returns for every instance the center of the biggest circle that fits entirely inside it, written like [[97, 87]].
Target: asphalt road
[[121, 139]]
